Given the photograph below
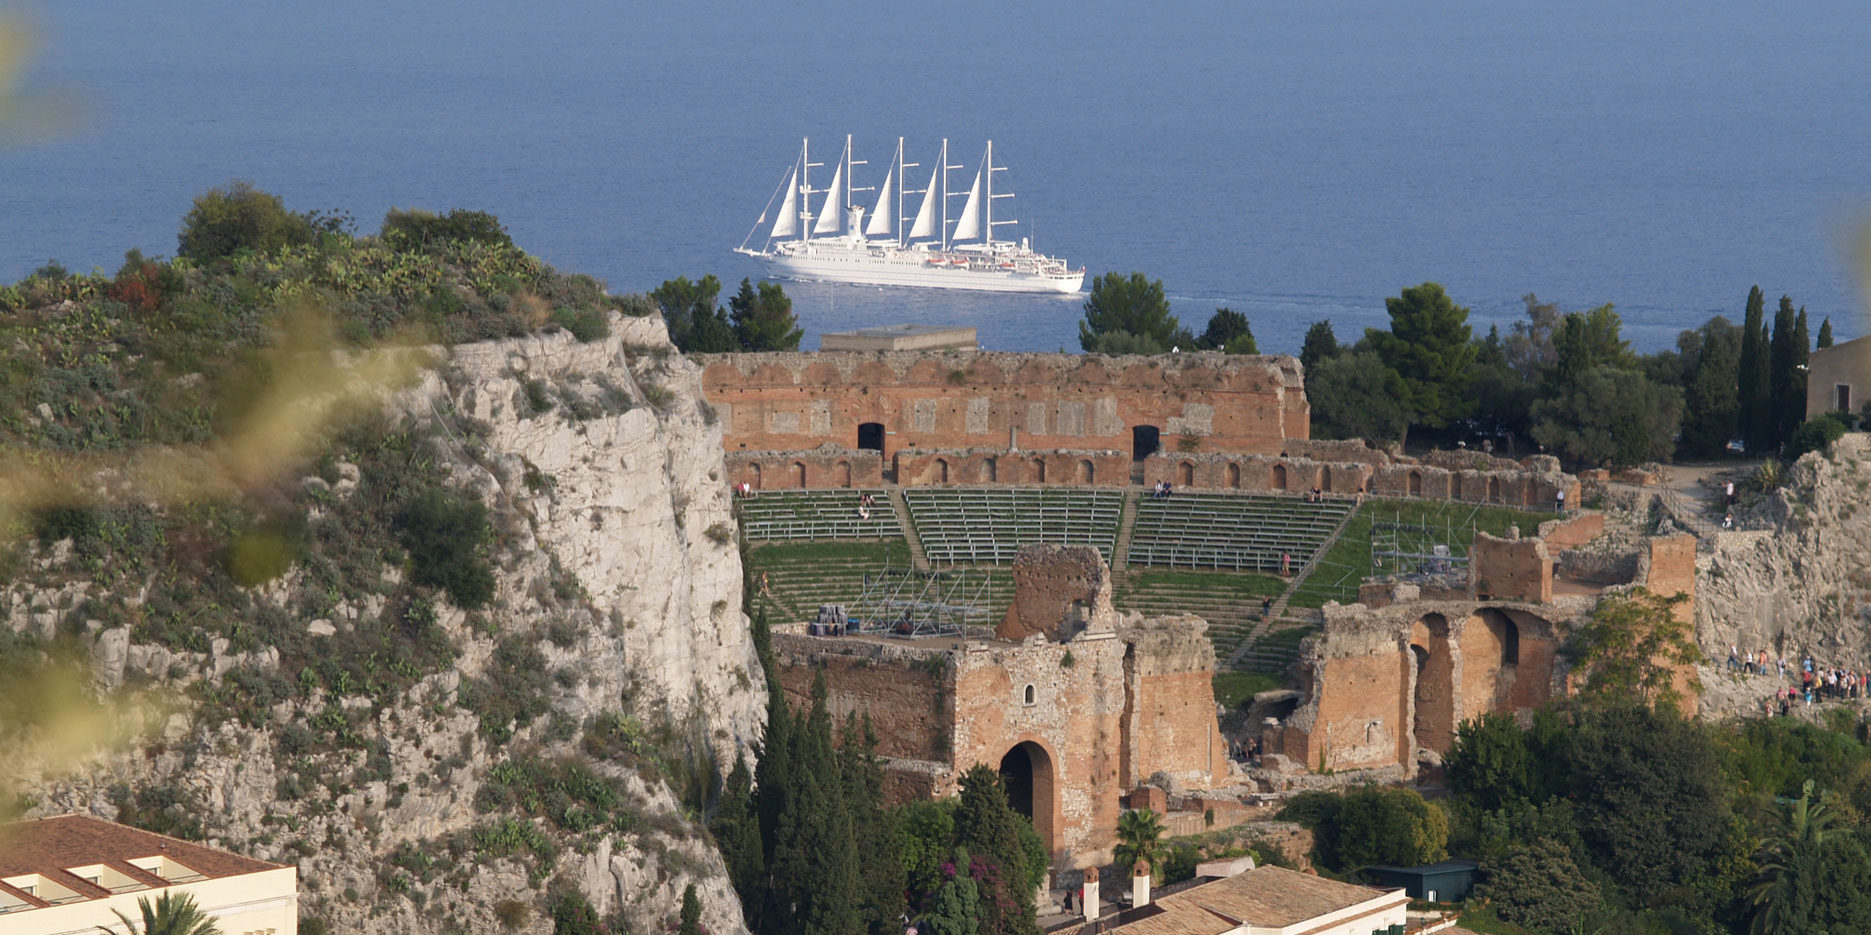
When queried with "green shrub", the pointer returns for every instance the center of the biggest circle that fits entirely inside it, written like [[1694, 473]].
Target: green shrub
[[417, 229], [585, 324], [447, 536], [239, 217], [1815, 434]]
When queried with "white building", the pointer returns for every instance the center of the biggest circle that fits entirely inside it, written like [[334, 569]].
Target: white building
[[1268, 901], [66, 875]]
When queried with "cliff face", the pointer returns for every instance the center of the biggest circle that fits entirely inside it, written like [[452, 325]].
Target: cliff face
[[1805, 586], [617, 584]]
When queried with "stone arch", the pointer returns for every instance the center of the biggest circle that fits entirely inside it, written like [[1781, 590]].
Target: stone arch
[[753, 475], [1455, 485], [1145, 440], [1038, 466], [1030, 696], [1234, 475], [1279, 477], [1087, 473], [1325, 478], [990, 469], [1433, 726], [841, 474], [1027, 772], [1414, 483], [871, 436], [1494, 490], [799, 473], [1185, 473], [941, 470]]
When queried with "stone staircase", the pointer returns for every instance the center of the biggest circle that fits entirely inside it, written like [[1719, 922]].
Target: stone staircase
[[918, 559], [1249, 655], [1120, 552]]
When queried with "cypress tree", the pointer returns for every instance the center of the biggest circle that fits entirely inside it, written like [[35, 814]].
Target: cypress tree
[[1825, 333], [1802, 355], [988, 827], [1320, 344], [1751, 374], [882, 878], [1780, 382], [736, 829], [690, 922], [1712, 409], [832, 889]]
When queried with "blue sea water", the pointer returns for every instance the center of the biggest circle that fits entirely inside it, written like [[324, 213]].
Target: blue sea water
[[1292, 161]]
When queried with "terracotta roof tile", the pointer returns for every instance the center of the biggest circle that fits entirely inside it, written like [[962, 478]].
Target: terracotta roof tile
[[1272, 897], [49, 845]]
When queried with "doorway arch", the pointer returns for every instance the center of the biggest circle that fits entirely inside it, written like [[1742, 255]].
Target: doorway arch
[[1415, 487], [754, 478], [1086, 473], [1234, 476], [871, 436], [941, 471], [1145, 440], [1279, 477], [1039, 470], [841, 475], [799, 473], [1494, 490], [1026, 772], [990, 469]]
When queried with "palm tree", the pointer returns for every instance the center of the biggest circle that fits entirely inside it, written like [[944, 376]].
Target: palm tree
[[1139, 833], [172, 914], [1801, 829]]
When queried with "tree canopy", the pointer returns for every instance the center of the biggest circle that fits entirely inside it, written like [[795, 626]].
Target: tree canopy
[[763, 319], [1134, 306], [1428, 346], [1229, 333], [238, 216]]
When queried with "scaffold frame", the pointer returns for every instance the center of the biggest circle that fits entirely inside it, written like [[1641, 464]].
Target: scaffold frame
[[918, 604]]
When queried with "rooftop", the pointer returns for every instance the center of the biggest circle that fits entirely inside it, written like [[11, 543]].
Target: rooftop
[[903, 337], [71, 858], [1265, 897]]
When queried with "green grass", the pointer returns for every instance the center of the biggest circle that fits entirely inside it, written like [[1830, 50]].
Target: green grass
[[1218, 583], [1234, 689], [1485, 922], [1449, 523], [889, 551]]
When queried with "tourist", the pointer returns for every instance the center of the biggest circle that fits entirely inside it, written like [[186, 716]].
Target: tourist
[[1286, 564], [1734, 657], [1728, 521], [1167, 490], [1731, 494], [1561, 497], [863, 512], [1266, 607]]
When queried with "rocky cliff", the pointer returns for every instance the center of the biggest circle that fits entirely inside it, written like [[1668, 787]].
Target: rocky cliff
[[565, 736], [1803, 585]]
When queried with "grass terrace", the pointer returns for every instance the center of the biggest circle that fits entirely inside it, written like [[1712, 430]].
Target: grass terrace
[[1406, 525], [1230, 531], [1230, 602], [816, 516], [987, 525]]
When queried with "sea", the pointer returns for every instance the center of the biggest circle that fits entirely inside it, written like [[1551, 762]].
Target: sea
[[1295, 162]]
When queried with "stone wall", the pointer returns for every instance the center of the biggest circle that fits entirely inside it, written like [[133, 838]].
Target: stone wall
[[968, 399], [1516, 486], [1510, 569], [933, 467], [1057, 592], [906, 688], [1254, 472], [1505, 483], [826, 466], [1169, 723]]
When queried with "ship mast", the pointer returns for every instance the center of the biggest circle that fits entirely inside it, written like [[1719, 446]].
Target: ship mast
[[946, 194], [851, 190], [991, 169], [805, 188]]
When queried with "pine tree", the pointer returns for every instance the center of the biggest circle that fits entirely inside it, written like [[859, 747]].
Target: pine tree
[[1320, 344], [1751, 374], [1825, 333], [1713, 410], [691, 919], [763, 319], [1428, 346]]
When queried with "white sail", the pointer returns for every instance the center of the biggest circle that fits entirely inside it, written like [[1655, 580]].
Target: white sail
[[832, 217], [969, 227], [881, 217], [788, 223], [925, 215]]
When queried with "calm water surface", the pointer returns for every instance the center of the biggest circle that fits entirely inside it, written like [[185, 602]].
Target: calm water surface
[[1292, 161]]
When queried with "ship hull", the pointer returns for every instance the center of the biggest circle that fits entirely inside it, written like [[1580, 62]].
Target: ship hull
[[914, 270]]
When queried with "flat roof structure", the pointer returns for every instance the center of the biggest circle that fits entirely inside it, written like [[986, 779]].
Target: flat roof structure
[[903, 337], [69, 873]]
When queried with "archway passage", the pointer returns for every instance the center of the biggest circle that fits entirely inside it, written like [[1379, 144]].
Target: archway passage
[[1433, 727], [1145, 440], [1026, 774], [871, 436], [1279, 477]]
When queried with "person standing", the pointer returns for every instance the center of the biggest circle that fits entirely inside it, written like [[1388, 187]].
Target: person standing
[[1731, 494]]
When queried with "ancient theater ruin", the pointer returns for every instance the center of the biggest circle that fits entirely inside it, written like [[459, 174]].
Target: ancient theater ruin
[[1073, 703]]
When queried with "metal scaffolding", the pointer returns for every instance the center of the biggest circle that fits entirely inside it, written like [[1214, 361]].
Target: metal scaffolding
[[912, 604], [1419, 547]]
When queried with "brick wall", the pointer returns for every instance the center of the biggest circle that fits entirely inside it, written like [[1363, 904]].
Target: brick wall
[[967, 399], [934, 467], [1512, 569], [817, 468]]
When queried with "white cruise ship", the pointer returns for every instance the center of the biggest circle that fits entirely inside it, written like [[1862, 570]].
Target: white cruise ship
[[844, 243]]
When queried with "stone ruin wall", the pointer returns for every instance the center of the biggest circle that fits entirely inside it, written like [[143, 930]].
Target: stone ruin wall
[[1001, 400], [1169, 724], [805, 470], [941, 467], [906, 688], [1510, 569], [1298, 469], [1058, 591]]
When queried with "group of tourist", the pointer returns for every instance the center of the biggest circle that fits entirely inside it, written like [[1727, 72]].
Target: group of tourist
[[1315, 495], [865, 502], [1816, 683], [1161, 491]]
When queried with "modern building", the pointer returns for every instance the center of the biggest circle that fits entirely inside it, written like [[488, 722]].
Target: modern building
[[71, 874], [1266, 901], [1445, 882], [1839, 377]]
